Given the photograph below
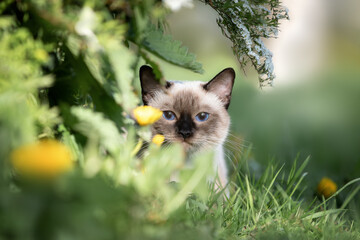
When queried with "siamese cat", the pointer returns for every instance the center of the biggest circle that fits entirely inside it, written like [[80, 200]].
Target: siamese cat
[[194, 113]]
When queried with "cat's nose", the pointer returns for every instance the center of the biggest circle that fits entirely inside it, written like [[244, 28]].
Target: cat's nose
[[185, 133], [185, 126]]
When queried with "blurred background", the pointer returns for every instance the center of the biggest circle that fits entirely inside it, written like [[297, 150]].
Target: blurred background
[[313, 108]]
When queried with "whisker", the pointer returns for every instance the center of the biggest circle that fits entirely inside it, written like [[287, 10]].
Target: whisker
[[234, 148], [238, 138], [238, 142]]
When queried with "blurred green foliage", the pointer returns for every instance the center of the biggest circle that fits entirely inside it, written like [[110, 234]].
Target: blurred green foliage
[[68, 71], [318, 118]]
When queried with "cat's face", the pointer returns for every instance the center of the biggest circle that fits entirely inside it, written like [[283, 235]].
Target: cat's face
[[194, 113]]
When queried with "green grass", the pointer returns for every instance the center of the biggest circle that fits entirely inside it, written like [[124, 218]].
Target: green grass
[[272, 207]]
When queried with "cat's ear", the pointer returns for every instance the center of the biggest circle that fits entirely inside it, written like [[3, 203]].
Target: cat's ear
[[149, 83], [221, 85]]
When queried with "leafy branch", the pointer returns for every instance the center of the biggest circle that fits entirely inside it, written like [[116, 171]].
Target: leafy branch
[[246, 23]]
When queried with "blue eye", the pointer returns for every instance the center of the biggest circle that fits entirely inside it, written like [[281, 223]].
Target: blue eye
[[169, 115], [202, 117]]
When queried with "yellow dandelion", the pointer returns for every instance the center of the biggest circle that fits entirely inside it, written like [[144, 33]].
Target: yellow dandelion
[[44, 159], [158, 139], [145, 115], [326, 187]]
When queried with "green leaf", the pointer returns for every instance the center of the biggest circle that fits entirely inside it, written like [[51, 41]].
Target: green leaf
[[170, 50], [121, 61], [95, 125], [69, 140]]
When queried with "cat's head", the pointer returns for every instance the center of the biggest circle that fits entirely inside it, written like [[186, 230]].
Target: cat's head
[[194, 113]]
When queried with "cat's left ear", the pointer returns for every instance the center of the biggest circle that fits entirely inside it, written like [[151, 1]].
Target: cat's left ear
[[149, 84], [221, 85]]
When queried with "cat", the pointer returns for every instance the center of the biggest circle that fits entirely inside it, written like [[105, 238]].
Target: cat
[[194, 113]]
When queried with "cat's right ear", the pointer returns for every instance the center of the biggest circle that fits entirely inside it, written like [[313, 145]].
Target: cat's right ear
[[221, 85], [149, 83]]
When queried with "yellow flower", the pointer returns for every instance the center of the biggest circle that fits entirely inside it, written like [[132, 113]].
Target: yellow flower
[[41, 55], [146, 115], [158, 139], [326, 187], [44, 159]]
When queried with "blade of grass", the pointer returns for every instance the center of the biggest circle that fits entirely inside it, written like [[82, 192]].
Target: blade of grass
[[250, 198], [322, 214], [350, 197], [293, 169], [297, 174], [297, 185], [267, 192]]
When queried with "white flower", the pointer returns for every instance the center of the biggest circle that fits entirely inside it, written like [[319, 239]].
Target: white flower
[[85, 26], [175, 5]]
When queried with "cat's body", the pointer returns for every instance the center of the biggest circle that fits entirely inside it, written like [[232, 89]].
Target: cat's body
[[194, 113]]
